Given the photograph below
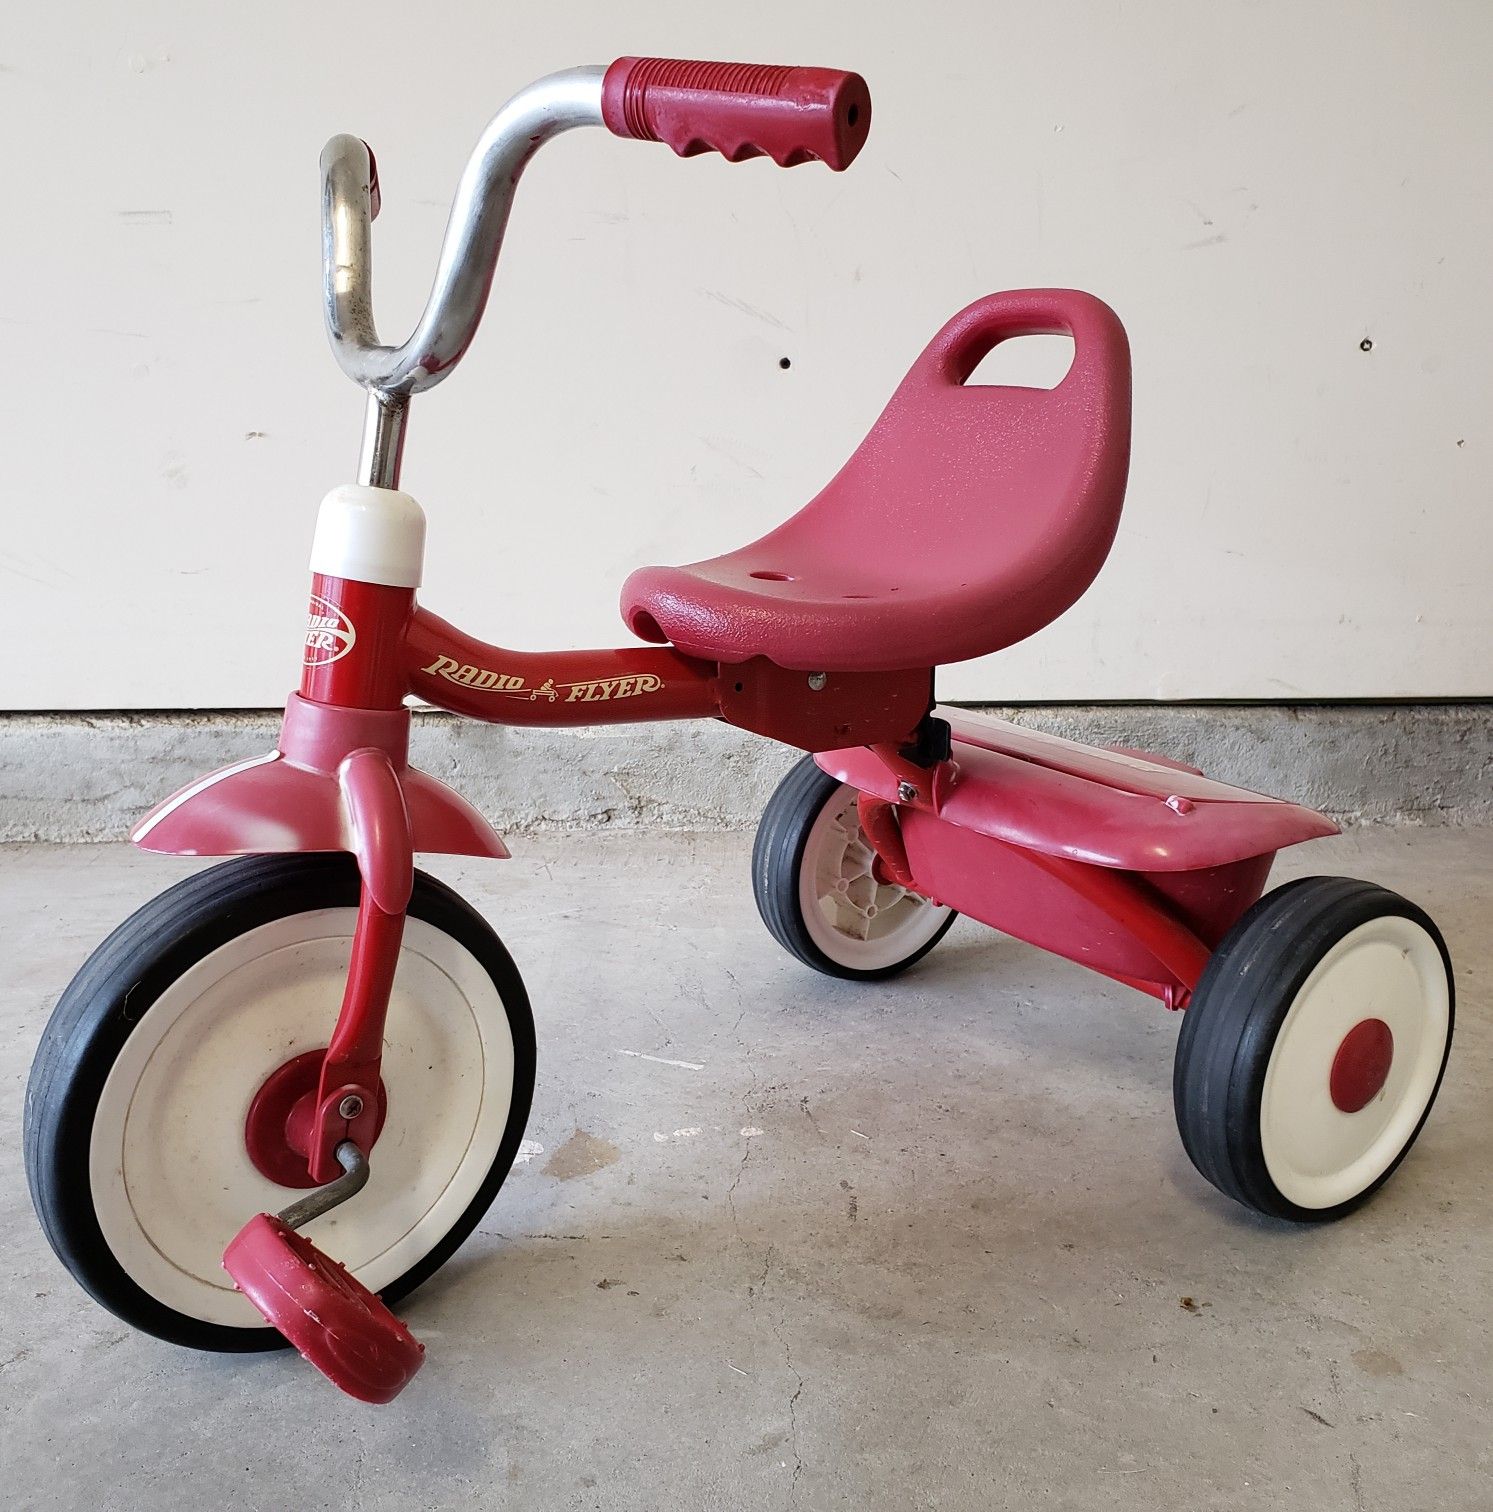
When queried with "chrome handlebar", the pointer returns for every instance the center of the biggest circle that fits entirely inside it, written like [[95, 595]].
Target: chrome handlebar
[[469, 250]]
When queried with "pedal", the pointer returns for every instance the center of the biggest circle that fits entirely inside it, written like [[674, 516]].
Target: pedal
[[334, 1321]]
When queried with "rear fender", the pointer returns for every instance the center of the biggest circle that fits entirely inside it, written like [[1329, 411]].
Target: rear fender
[[1102, 807]]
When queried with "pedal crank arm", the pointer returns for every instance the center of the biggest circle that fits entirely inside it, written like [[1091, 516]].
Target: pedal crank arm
[[355, 1175]]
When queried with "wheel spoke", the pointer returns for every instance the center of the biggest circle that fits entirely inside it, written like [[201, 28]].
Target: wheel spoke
[[857, 915]]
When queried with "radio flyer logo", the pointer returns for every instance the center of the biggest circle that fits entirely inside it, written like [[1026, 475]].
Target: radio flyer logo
[[329, 633]]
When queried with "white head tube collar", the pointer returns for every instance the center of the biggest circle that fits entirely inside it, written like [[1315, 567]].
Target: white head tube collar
[[370, 535]]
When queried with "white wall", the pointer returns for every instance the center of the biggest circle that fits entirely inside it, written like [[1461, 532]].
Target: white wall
[[1256, 186]]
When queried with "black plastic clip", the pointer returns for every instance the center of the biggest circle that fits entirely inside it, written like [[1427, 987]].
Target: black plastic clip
[[932, 742]]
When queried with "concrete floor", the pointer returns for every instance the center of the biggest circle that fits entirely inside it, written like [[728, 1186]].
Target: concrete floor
[[929, 1244]]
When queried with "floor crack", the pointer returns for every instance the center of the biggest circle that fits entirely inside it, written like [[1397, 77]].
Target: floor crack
[[752, 1112], [780, 1334], [798, 1391]]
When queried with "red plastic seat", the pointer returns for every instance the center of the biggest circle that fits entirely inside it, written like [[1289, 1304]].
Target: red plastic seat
[[967, 519]]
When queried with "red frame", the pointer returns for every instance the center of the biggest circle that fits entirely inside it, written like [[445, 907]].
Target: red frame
[[340, 780]]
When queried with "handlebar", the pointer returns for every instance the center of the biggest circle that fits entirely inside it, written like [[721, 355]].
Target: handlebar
[[469, 251], [740, 110]]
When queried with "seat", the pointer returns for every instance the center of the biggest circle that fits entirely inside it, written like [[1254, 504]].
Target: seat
[[969, 517]]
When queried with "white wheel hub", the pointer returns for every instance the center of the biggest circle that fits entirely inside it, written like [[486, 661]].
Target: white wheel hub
[[1382, 986], [857, 920], [171, 1177]]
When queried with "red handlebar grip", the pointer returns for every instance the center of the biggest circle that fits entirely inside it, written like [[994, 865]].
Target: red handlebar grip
[[740, 110]]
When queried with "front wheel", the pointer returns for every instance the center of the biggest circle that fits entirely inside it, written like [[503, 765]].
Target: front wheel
[[1314, 1047], [816, 880], [135, 1112]]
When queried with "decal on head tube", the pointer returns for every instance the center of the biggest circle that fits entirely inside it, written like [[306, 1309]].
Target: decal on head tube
[[507, 685], [329, 633]]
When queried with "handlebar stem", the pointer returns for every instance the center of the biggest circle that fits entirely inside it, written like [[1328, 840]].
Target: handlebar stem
[[469, 250], [382, 454]]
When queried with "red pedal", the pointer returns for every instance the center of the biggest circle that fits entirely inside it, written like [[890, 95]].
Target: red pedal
[[335, 1322]]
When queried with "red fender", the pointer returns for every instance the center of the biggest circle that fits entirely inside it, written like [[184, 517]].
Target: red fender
[[297, 798], [1101, 807], [1130, 864]]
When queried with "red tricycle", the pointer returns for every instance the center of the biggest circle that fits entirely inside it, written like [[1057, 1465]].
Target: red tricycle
[[199, 1074]]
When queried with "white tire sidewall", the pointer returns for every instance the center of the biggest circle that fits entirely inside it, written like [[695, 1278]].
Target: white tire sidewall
[[1317, 1155]]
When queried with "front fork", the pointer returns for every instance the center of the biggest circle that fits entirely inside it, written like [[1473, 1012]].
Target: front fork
[[354, 644], [348, 1103]]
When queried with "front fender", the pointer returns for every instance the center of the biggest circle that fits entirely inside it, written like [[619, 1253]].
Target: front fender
[[293, 800], [267, 805]]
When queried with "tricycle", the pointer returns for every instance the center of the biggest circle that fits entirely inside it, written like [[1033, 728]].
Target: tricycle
[[316, 1038]]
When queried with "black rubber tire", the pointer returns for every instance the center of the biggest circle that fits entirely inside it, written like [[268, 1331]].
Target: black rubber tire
[[1230, 1029], [777, 856], [109, 998]]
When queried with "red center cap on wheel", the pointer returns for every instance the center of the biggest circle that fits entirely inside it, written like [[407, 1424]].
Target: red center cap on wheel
[[282, 1115], [1361, 1066]]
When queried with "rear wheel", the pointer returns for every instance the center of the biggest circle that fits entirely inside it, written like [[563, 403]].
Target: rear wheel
[[815, 878], [135, 1111], [1314, 1047]]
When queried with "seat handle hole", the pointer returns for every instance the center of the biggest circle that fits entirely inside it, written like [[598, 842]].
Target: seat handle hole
[[1033, 362]]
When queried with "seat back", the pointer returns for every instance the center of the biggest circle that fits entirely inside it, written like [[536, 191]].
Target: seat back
[[1002, 500]]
